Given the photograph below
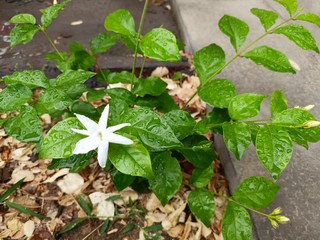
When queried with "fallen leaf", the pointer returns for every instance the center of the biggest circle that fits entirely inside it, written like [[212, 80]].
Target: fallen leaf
[[28, 228], [19, 173], [71, 183], [101, 207]]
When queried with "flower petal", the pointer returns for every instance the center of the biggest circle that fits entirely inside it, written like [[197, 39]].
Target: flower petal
[[103, 154], [89, 124], [117, 127], [104, 118], [81, 131], [87, 144], [116, 138]]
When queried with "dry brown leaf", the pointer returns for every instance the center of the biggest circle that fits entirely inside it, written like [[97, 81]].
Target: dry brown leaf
[[19, 173], [28, 228], [71, 183], [101, 207]]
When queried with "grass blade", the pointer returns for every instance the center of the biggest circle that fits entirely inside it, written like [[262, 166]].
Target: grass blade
[[11, 190], [22, 209]]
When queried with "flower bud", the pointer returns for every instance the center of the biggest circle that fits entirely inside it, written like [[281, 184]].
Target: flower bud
[[282, 219], [277, 211], [274, 224], [311, 124], [308, 108]]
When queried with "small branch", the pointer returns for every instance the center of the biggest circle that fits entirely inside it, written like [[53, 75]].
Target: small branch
[[50, 41]]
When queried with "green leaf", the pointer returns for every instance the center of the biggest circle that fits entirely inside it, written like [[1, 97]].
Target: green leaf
[[30, 78], [198, 151], [85, 203], [181, 123], [61, 60], [299, 35], [153, 132], [105, 226], [234, 28], [24, 210], [70, 78], [274, 149], [103, 42], [130, 42], [120, 180], [309, 17], [218, 93], [120, 21], [208, 61], [201, 204], [237, 137], [11, 190], [118, 111], [95, 95], [254, 129], [246, 105], [22, 34], [23, 18], [121, 94], [290, 5], [168, 177], [278, 103], [153, 86], [120, 77], [86, 109], [270, 59], [201, 176], [61, 140], [267, 18], [80, 58], [160, 44], [25, 127], [52, 101], [13, 96], [236, 223], [50, 13], [129, 227], [163, 103], [256, 192], [131, 159], [75, 163], [73, 224]]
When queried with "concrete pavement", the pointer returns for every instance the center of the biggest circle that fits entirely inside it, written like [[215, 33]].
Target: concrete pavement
[[299, 196]]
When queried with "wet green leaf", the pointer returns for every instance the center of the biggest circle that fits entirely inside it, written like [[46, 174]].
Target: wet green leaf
[[96, 95], [208, 61], [236, 223], [102, 42], [24, 210], [120, 77], [118, 111], [120, 21], [30, 78], [121, 94], [246, 105], [153, 86], [201, 204], [160, 44], [11, 190], [85, 108], [290, 5], [274, 149], [278, 103], [25, 127], [237, 137], [61, 60], [168, 177], [266, 17], [13, 96], [256, 192], [22, 34], [234, 28], [23, 18], [299, 35], [270, 59], [309, 17], [120, 180], [51, 13], [218, 93], [201, 176], [163, 103]]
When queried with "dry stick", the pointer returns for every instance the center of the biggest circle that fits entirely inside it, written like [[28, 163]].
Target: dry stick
[[93, 231]]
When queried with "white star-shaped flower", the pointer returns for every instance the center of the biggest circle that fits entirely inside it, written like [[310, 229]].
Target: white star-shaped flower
[[99, 136]]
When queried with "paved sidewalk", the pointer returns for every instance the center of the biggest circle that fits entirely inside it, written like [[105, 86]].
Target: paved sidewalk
[[299, 195]]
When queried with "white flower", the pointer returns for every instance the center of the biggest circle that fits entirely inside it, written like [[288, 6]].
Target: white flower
[[99, 136]]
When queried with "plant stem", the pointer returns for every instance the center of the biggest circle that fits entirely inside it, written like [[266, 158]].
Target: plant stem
[[142, 66], [137, 41], [50, 41]]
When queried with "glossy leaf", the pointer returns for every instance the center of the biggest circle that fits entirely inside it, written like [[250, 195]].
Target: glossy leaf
[[278, 103], [120, 180], [130, 42], [52, 101], [80, 58], [30, 78], [201, 176], [274, 149], [61, 140], [118, 110], [11, 190], [85, 108], [208, 61], [160, 44], [201, 204], [25, 127], [168, 177], [246, 105], [254, 129], [290, 5], [163, 103], [299, 35], [13, 96], [119, 77], [153, 132], [153, 86], [256, 192], [24, 210], [235, 29], [181, 123], [266, 17], [236, 223], [120, 21], [94, 95], [121, 94], [61, 60], [85, 203], [270, 59], [102, 42], [218, 93], [22, 34], [309, 17], [131, 159], [237, 137], [51, 13], [23, 18]]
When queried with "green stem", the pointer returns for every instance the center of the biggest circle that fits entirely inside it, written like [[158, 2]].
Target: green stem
[[50, 41], [134, 64], [142, 66]]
